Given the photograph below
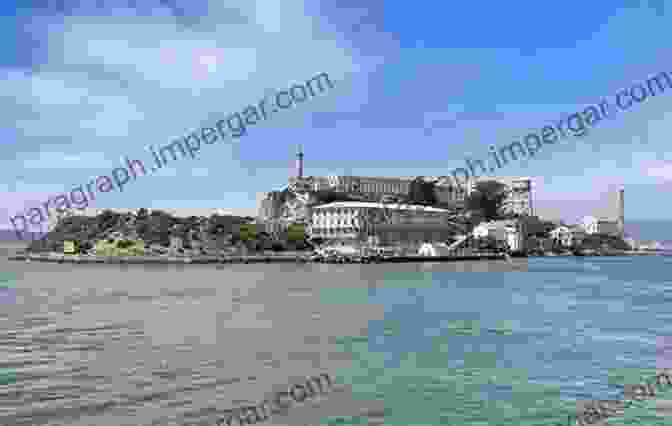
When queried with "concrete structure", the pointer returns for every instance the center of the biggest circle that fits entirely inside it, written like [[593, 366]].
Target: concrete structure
[[270, 206], [594, 225], [374, 186], [269, 213], [518, 200], [349, 220]]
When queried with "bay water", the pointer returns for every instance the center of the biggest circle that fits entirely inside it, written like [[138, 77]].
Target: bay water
[[471, 343]]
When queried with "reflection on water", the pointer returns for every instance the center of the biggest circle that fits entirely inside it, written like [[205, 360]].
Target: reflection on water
[[155, 345]]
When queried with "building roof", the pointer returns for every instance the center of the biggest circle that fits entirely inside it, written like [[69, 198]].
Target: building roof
[[598, 219], [391, 206], [418, 227]]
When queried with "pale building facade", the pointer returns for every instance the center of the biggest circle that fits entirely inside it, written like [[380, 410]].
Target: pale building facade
[[269, 214], [376, 187], [373, 185], [347, 220]]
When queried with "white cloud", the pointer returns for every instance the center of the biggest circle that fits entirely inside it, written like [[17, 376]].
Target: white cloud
[[662, 171], [111, 85], [148, 78]]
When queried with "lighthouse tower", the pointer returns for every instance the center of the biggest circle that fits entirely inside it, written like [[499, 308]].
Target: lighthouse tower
[[621, 212], [299, 162]]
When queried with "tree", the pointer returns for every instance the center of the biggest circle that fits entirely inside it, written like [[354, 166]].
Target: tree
[[224, 224], [142, 214], [107, 219], [533, 226], [487, 199]]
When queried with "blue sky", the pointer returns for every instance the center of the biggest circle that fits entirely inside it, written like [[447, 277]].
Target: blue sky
[[416, 90]]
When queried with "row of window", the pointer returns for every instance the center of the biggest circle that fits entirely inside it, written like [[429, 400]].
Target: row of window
[[332, 231], [337, 211], [336, 224]]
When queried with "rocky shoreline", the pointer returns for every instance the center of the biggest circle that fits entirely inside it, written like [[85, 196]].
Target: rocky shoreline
[[200, 260]]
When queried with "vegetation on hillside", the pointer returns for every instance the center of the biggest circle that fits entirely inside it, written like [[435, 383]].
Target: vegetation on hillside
[[154, 228], [422, 192]]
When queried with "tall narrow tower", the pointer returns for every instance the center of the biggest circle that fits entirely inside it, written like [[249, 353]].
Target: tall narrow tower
[[299, 162], [621, 212]]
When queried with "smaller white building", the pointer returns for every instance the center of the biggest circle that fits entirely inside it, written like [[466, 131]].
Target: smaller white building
[[632, 243], [562, 235], [176, 243], [515, 239], [568, 236], [650, 245], [594, 225], [496, 230]]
